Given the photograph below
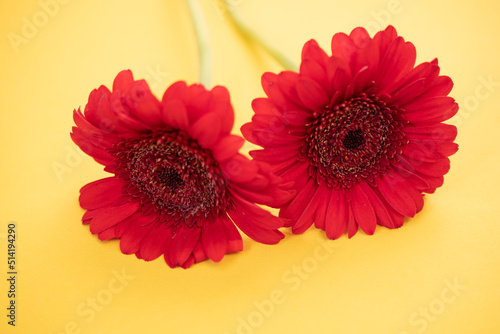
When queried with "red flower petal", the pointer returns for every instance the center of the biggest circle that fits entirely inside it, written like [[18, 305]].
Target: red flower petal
[[174, 113], [183, 245], [265, 106], [153, 244], [379, 208], [122, 111], [287, 82], [239, 169], [352, 227], [340, 82], [312, 51], [198, 102], [421, 151], [412, 177], [398, 194], [414, 83], [214, 240], [142, 104], [321, 217], [108, 216], [306, 218], [397, 218], [263, 218], [436, 169], [312, 95], [110, 233], [221, 105], [199, 129], [362, 209], [123, 80], [298, 205], [97, 152], [297, 173], [398, 60], [360, 37], [384, 38], [168, 253], [316, 72], [101, 133], [227, 147], [271, 88], [442, 86], [177, 91], [189, 262], [90, 111], [101, 193], [234, 242], [276, 155], [135, 232], [436, 109], [436, 132], [343, 47], [249, 220]]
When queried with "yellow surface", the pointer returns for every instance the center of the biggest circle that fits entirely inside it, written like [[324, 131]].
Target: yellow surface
[[440, 273]]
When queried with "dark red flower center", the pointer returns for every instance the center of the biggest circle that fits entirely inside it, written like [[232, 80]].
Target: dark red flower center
[[170, 171], [170, 178], [353, 141]]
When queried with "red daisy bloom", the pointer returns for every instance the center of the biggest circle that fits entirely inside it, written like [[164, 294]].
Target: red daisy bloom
[[178, 174], [360, 132]]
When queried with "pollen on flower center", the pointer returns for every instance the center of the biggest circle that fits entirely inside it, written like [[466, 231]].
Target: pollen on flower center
[[352, 141], [172, 172]]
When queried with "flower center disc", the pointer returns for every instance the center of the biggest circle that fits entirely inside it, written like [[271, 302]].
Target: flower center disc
[[179, 178], [353, 141]]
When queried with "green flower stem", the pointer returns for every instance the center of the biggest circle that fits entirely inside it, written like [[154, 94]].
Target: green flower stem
[[200, 29], [249, 34]]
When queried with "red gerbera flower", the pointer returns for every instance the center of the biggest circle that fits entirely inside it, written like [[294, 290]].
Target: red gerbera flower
[[360, 132], [178, 174]]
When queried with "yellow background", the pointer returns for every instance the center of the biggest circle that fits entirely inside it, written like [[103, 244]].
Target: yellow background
[[396, 281]]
